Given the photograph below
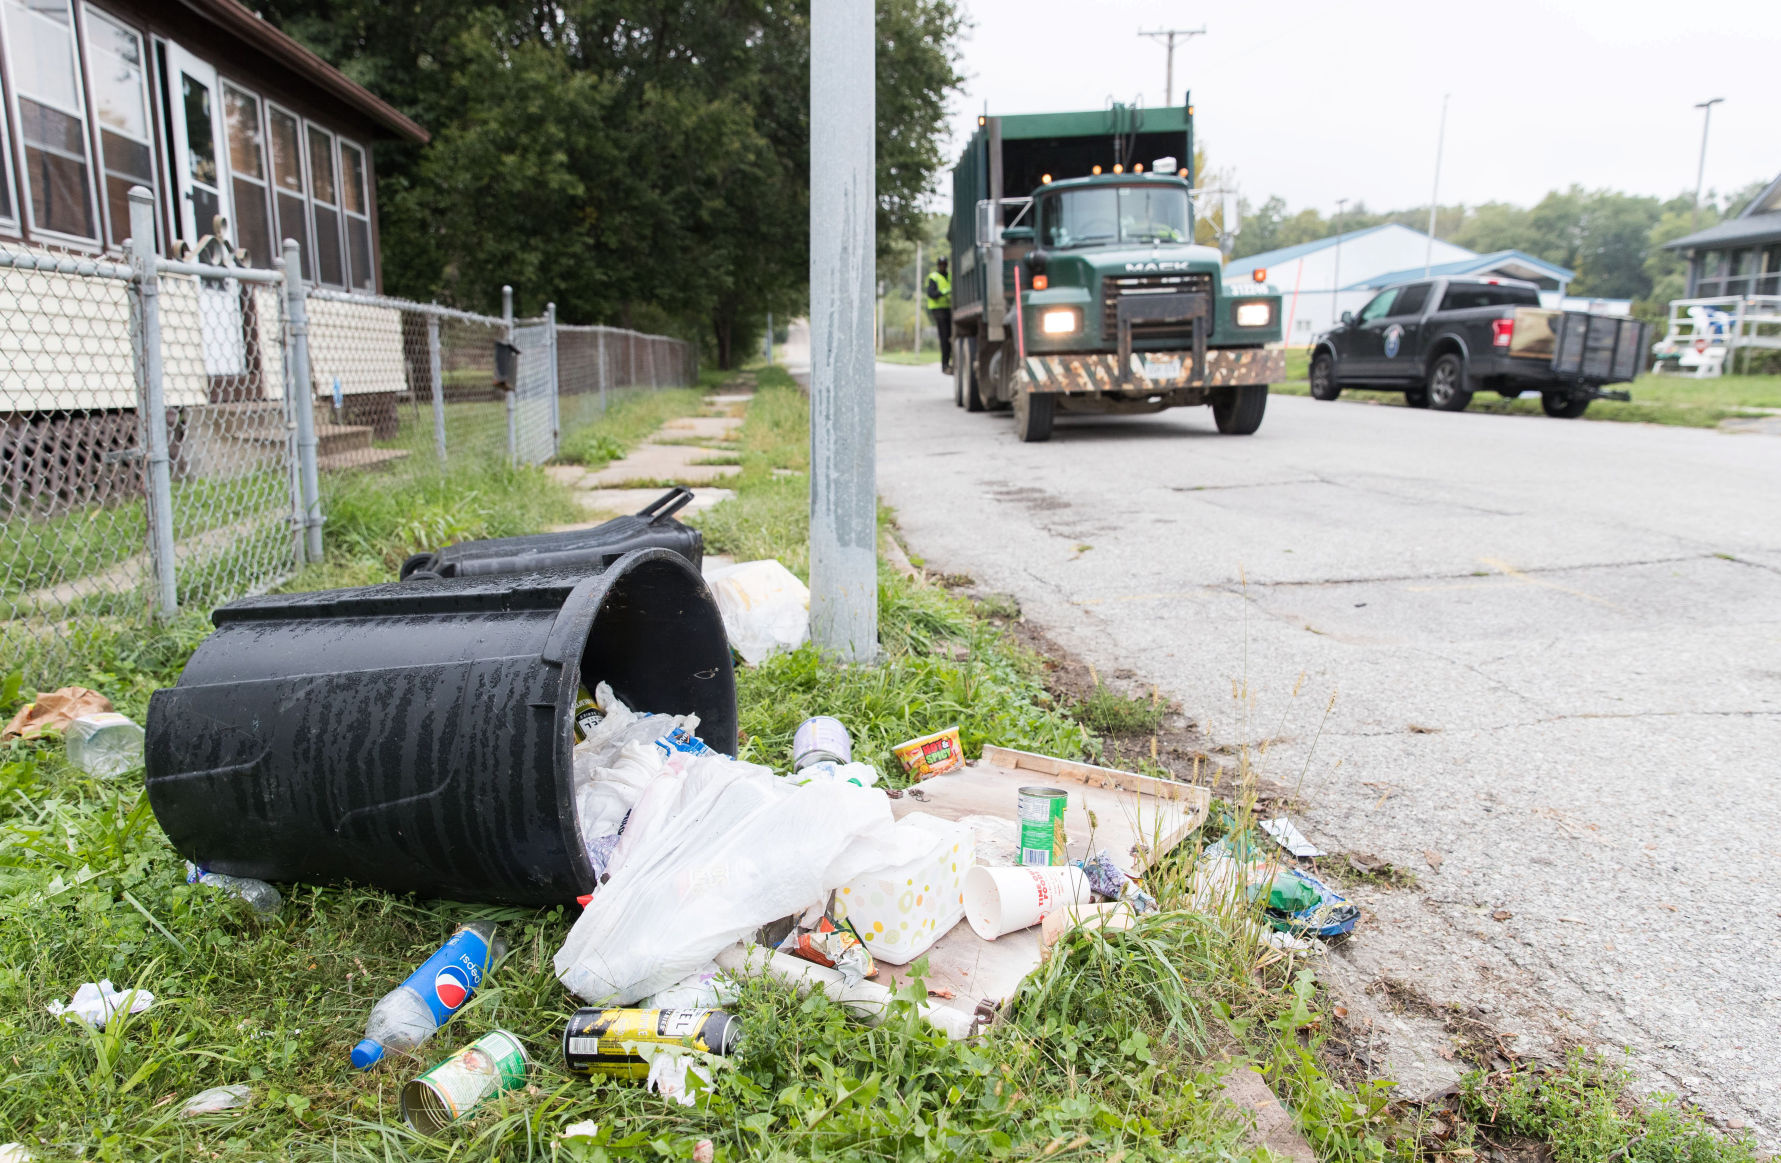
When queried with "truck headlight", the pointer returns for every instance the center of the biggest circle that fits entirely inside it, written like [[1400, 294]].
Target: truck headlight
[[1255, 314], [1060, 321]]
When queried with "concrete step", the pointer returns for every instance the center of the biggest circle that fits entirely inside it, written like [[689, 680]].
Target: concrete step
[[338, 438], [359, 459]]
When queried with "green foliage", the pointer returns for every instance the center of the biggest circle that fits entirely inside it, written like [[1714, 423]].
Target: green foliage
[[631, 417], [1108, 712], [1584, 1112]]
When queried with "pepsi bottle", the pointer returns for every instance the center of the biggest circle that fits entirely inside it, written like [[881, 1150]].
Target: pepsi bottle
[[408, 1014]]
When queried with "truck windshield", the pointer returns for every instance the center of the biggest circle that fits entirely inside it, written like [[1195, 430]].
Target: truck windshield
[[1099, 215]]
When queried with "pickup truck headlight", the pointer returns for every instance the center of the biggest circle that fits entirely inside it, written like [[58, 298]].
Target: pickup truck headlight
[[1060, 321], [1255, 314]]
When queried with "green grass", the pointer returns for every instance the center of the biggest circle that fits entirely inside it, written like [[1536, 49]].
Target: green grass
[[630, 417], [1113, 1050], [1108, 712], [929, 354]]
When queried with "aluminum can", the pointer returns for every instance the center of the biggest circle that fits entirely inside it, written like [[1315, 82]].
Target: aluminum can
[[596, 1039], [1041, 814], [821, 737], [494, 1063]]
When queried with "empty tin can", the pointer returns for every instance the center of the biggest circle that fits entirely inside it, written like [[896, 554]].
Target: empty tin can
[[821, 737], [493, 1063]]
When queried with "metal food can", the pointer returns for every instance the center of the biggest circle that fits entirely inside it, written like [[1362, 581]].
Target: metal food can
[[603, 1040], [587, 716], [1041, 813], [821, 737], [494, 1063]]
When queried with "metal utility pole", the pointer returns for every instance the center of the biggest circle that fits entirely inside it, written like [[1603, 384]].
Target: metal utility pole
[[769, 339], [1336, 275], [1700, 175], [918, 296], [1428, 255], [843, 275], [1167, 37]]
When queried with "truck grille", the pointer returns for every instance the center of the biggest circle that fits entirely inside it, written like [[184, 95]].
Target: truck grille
[[1113, 288]]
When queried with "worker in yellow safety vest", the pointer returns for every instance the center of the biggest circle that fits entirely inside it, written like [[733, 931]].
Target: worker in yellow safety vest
[[939, 305]]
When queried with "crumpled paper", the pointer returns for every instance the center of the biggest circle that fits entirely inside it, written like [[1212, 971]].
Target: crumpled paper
[[52, 713], [95, 1003], [671, 1076]]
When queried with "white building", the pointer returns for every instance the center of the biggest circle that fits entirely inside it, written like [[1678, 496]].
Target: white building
[[1320, 280]]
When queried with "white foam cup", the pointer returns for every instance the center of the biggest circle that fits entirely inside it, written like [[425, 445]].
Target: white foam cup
[[1000, 900]]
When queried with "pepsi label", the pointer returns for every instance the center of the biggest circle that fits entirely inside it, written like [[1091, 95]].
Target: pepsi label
[[448, 978]]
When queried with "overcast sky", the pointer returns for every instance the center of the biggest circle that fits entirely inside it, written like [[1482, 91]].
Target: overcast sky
[[1319, 101]]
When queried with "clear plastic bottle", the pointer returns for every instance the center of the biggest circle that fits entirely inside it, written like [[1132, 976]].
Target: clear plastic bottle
[[263, 898], [407, 1015], [106, 744]]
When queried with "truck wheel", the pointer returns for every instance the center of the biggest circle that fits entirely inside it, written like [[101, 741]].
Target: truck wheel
[[1032, 416], [1447, 384], [958, 374], [973, 399], [1238, 411], [1323, 378], [1562, 406], [1416, 397]]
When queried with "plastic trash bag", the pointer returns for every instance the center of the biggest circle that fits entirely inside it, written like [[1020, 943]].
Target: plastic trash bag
[[713, 850], [94, 1003], [216, 1099], [765, 607]]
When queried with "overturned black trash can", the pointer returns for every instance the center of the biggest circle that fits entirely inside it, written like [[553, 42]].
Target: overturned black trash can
[[653, 526], [417, 736]]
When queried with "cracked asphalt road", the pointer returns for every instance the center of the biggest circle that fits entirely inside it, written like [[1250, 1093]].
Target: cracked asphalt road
[[1554, 653]]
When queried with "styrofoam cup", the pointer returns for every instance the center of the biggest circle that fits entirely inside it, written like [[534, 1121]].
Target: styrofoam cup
[[1003, 900]]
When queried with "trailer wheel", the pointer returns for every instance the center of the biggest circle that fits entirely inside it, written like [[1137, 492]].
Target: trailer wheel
[[1323, 378], [1447, 384], [1238, 411], [1562, 406], [1033, 412]]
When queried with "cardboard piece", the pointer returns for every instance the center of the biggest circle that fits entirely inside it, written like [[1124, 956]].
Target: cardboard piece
[[1137, 817]]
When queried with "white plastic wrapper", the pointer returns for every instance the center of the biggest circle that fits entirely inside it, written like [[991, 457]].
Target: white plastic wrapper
[[216, 1100], [764, 606], [95, 1002], [713, 850]]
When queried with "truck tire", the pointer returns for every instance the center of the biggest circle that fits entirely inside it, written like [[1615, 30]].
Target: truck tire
[[1417, 397], [1447, 390], [973, 398], [1323, 378], [1563, 407], [958, 374], [1238, 411], [1033, 412]]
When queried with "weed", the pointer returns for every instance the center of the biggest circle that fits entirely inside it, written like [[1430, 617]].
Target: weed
[[1107, 711], [631, 416]]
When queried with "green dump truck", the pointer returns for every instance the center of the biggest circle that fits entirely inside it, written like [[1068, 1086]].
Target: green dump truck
[[1077, 285]]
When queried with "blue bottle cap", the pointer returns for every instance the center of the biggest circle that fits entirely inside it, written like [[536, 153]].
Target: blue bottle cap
[[366, 1054]]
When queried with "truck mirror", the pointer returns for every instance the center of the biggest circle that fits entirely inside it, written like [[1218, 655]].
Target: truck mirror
[[988, 229]]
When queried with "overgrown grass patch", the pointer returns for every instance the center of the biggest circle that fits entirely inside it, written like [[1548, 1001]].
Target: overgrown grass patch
[[632, 414], [1108, 712]]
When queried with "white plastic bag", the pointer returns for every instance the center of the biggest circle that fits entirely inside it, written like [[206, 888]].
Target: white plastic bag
[[95, 1002], [712, 852], [764, 606]]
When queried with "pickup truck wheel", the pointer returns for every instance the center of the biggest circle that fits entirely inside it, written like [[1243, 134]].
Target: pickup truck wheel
[[1416, 397], [1323, 378], [1447, 384], [1033, 412], [1562, 406], [1238, 411]]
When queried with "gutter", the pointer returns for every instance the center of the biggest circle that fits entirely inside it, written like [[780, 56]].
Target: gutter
[[233, 18]]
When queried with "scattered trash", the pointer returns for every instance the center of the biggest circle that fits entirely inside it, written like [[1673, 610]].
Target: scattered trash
[[217, 1099], [1287, 943], [941, 991], [52, 712], [407, 1015], [706, 988], [1042, 835], [765, 607], [623, 1043], [260, 896], [1301, 904], [1290, 838], [105, 744], [494, 1063], [1114, 916], [1114, 883], [15, 1153], [834, 945], [867, 1000], [704, 1151], [999, 901], [671, 1075], [585, 1129], [587, 715], [821, 738], [95, 1003], [931, 755], [714, 849], [617, 758], [900, 910], [858, 774]]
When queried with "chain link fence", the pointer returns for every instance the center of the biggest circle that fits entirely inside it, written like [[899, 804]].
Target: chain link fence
[[166, 427]]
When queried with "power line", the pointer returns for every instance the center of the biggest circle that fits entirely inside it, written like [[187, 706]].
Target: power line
[[1167, 37]]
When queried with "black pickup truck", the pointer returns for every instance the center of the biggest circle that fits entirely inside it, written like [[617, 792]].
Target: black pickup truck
[[1441, 340]]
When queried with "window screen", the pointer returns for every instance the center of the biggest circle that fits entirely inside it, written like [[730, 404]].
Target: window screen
[[288, 185], [247, 176], [120, 102], [355, 200], [324, 194]]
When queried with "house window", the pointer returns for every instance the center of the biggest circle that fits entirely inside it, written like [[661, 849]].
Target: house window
[[247, 175], [52, 117], [324, 194], [1742, 266], [288, 184], [115, 68], [1770, 283], [355, 199]]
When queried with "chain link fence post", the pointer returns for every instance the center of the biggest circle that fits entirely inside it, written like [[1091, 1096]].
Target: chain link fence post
[[436, 377], [146, 284], [556, 384], [601, 336], [302, 398], [513, 388]]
